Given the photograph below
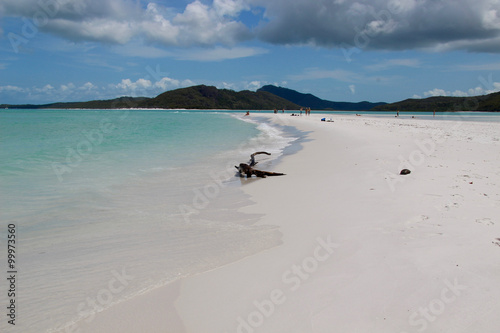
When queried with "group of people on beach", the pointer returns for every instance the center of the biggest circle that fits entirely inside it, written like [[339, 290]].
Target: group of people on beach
[[306, 110]]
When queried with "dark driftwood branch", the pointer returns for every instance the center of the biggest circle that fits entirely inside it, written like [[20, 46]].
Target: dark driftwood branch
[[248, 170], [252, 157]]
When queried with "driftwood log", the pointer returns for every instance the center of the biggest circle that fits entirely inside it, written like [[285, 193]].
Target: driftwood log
[[247, 169]]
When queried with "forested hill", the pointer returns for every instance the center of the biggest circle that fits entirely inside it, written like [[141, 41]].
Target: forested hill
[[316, 103], [195, 97], [209, 97], [489, 102], [271, 97]]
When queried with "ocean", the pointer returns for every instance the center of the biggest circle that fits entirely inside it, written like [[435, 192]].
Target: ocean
[[110, 204]]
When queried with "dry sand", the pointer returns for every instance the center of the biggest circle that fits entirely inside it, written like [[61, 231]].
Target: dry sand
[[364, 249]]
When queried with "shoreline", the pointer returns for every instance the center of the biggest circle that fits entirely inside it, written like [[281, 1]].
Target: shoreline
[[362, 250]]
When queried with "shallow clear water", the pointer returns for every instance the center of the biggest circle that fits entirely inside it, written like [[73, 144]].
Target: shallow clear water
[[451, 116], [148, 196], [109, 204]]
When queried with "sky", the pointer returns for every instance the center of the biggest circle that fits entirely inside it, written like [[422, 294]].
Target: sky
[[339, 50]]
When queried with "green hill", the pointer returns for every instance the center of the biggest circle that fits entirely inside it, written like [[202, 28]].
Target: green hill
[[489, 102], [268, 98], [209, 97], [117, 103], [196, 97]]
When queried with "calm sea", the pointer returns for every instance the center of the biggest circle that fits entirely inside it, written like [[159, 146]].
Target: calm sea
[[109, 204]]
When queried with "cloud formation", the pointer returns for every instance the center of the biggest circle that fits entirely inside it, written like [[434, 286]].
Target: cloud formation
[[491, 87], [384, 24], [142, 87], [441, 25], [121, 21]]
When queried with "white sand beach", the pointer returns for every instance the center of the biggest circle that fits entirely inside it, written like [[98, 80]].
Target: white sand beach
[[364, 249]]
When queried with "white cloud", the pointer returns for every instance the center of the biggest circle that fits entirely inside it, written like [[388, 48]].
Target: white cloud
[[227, 85], [167, 83], [145, 87], [253, 85], [366, 24], [67, 87], [121, 21], [203, 25], [391, 63], [134, 49], [230, 7], [219, 53], [128, 85], [45, 89], [341, 75], [100, 30], [436, 92], [88, 86], [336, 74], [476, 91], [10, 88], [90, 91], [479, 67]]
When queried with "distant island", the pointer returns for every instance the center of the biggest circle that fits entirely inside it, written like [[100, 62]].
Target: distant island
[[270, 97], [195, 97], [489, 102], [316, 103]]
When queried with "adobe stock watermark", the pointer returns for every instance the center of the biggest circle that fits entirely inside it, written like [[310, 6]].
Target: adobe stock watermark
[[103, 299], [364, 36], [91, 139], [427, 147], [417, 157], [428, 314], [293, 278], [202, 196], [45, 10], [96, 136]]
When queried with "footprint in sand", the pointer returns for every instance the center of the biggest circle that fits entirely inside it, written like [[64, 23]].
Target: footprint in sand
[[496, 241], [451, 205], [485, 221], [447, 207]]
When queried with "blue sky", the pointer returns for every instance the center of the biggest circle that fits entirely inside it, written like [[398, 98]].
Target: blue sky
[[341, 50]]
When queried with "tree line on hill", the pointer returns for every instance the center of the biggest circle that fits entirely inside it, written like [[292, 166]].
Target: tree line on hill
[[271, 97]]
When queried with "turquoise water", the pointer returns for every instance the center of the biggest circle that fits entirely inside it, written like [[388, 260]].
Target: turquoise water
[[58, 154], [95, 193], [429, 115], [147, 194]]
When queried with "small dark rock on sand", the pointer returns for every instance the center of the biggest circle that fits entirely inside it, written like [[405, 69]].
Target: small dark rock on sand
[[405, 172]]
